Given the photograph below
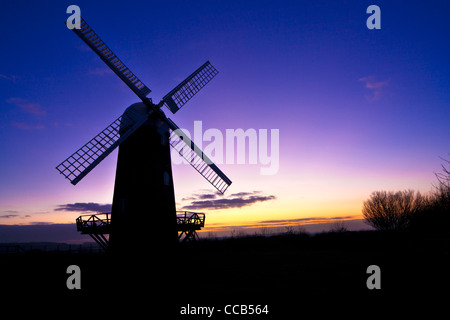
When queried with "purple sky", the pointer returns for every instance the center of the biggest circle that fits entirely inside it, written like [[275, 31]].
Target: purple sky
[[357, 110]]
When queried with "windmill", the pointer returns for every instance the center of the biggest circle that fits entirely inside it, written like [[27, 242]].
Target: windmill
[[143, 208]]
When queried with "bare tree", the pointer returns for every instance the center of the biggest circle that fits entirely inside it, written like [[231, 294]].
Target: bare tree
[[434, 219], [339, 227], [389, 211], [443, 187]]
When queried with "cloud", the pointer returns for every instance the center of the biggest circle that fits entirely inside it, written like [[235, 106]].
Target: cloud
[[243, 194], [25, 105], [26, 126], [235, 200], [11, 211], [40, 223], [202, 196], [12, 78], [12, 214], [267, 227], [85, 207], [8, 216], [376, 87], [207, 196], [301, 221], [287, 222]]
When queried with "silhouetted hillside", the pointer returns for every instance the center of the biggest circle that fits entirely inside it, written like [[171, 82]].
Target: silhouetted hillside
[[282, 271]]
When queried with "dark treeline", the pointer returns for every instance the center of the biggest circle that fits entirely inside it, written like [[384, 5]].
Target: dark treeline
[[410, 211]]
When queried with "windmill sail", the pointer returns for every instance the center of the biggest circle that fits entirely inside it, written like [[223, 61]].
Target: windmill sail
[[200, 161], [82, 161], [182, 93], [93, 40]]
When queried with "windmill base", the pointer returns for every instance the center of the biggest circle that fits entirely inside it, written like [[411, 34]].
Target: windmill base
[[98, 226], [189, 235], [144, 202], [188, 223]]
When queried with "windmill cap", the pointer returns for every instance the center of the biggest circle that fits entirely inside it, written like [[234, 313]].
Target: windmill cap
[[137, 107], [133, 114]]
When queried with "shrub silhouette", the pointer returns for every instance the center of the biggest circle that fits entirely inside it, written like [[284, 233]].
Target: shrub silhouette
[[411, 211], [393, 211], [434, 218]]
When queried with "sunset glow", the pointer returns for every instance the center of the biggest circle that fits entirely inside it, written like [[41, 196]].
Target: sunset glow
[[356, 110]]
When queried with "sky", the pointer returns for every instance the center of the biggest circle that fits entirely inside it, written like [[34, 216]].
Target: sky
[[355, 110]]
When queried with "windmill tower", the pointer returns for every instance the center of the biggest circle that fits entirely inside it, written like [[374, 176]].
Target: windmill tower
[[143, 210]]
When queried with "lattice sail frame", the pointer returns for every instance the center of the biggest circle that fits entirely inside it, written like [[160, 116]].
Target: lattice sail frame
[[182, 93], [82, 161], [197, 159], [101, 49]]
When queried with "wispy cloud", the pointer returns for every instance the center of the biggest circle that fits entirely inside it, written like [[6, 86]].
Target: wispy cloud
[[85, 207], [281, 223], [310, 224], [28, 107], [214, 201], [301, 221], [40, 223], [12, 78], [27, 126], [375, 86], [12, 214], [244, 194], [11, 211], [8, 216], [201, 196]]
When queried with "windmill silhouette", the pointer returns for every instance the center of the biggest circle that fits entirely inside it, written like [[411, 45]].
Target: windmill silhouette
[[143, 209]]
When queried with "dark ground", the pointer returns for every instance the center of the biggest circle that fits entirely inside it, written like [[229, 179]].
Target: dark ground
[[291, 274]]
